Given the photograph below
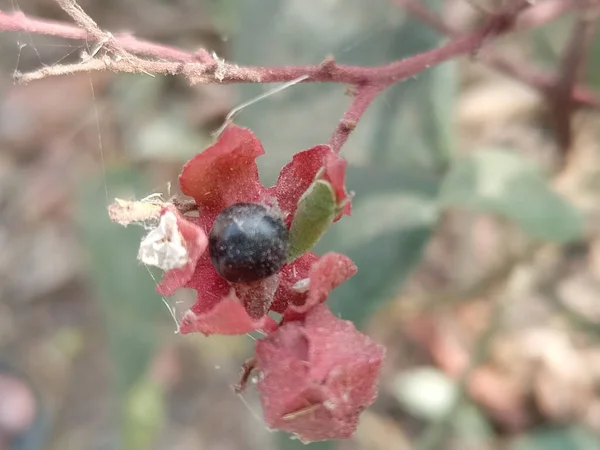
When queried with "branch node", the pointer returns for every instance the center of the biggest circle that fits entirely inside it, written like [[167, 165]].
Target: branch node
[[220, 68], [347, 125], [327, 66], [351, 90], [203, 56]]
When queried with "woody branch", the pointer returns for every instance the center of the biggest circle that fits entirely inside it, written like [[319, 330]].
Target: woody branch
[[125, 53]]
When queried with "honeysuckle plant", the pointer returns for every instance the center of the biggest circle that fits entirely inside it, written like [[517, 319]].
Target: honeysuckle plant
[[245, 249]]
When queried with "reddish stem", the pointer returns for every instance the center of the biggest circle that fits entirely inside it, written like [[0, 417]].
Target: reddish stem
[[363, 97], [201, 67], [17, 21], [537, 14]]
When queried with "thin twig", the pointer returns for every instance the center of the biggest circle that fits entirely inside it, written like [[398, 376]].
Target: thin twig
[[328, 71], [363, 97], [17, 21], [83, 20], [560, 95], [123, 55], [531, 17]]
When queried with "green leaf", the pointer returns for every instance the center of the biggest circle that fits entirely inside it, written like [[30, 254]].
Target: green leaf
[[593, 63], [548, 40], [316, 210], [144, 415], [392, 220], [472, 426], [558, 438], [500, 182]]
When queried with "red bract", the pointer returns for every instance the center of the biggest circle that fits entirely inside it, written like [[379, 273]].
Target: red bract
[[296, 177], [224, 174], [195, 240], [317, 375]]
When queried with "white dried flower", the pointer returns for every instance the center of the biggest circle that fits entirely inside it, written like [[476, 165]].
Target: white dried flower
[[164, 246]]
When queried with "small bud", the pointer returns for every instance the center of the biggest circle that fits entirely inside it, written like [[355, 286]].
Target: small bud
[[317, 208]]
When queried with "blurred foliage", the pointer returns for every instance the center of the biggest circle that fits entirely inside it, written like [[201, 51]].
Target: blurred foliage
[[548, 40], [288, 442], [131, 307], [144, 414], [559, 438], [593, 64], [501, 182], [161, 132]]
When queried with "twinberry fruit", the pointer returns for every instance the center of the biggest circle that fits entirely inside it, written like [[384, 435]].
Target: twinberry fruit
[[247, 243]]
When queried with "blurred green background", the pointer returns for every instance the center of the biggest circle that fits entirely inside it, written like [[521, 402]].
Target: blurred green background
[[478, 249]]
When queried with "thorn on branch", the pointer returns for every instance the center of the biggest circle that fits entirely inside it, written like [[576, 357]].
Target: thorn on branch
[[327, 66], [347, 126]]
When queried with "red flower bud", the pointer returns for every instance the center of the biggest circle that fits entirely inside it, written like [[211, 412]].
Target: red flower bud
[[317, 375]]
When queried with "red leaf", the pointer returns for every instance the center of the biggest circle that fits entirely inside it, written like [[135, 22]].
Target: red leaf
[[295, 178], [226, 172], [211, 288], [323, 275], [290, 274], [331, 270], [228, 316]]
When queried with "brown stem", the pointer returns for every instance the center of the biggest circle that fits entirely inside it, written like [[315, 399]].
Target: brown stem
[[560, 95], [534, 16]]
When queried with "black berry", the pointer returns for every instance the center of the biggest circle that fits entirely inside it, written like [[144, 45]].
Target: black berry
[[246, 243]]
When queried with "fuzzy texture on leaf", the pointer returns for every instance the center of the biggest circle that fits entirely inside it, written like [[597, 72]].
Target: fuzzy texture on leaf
[[296, 177], [227, 317], [323, 275], [224, 174], [317, 375]]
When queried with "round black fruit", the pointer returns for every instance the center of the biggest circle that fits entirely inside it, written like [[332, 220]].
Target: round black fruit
[[246, 243]]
